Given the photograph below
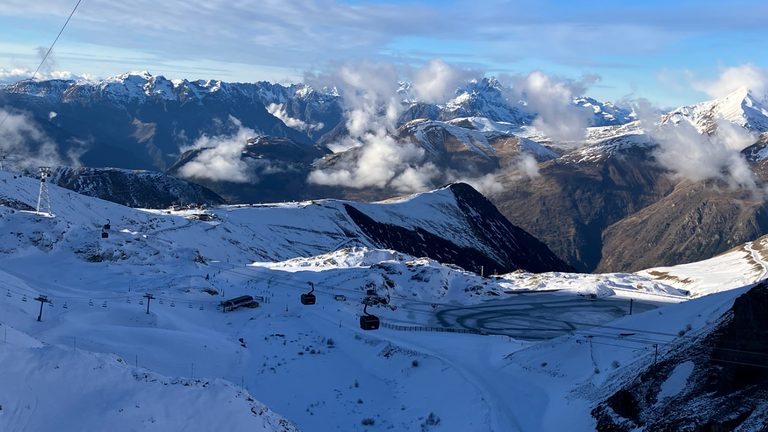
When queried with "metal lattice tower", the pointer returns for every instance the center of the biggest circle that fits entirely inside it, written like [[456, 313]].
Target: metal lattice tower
[[2, 158], [43, 199]]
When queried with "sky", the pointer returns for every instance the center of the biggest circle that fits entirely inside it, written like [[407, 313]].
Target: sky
[[670, 53]]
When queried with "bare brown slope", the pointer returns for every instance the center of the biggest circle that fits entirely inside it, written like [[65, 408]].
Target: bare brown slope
[[569, 205], [694, 222]]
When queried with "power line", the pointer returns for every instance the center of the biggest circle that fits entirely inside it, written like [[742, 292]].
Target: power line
[[45, 57]]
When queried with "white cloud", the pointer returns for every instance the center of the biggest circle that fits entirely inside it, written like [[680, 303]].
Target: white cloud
[[220, 158], [380, 162], [732, 78], [696, 157], [30, 147], [15, 75], [525, 166], [301, 34], [437, 82], [279, 111], [369, 92], [551, 97]]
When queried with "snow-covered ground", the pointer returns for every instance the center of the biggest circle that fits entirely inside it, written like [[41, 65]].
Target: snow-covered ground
[[103, 360]]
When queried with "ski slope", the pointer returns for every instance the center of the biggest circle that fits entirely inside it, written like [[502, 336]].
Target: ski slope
[[311, 364]]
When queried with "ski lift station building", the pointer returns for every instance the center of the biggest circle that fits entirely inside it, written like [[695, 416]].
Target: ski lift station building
[[238, 302]]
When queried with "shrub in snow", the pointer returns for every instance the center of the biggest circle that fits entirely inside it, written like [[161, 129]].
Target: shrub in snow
[[368, 422], [415, 363], [615, 364], [432, 420]]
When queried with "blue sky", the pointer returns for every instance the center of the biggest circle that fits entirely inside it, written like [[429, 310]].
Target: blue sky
[[657, 50]]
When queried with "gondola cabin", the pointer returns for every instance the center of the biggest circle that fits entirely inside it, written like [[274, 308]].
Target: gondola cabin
[[308, 299], [104, 234], [369, 322]]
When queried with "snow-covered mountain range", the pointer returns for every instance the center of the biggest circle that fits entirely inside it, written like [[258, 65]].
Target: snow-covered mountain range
[[742, 108], [481, 135]]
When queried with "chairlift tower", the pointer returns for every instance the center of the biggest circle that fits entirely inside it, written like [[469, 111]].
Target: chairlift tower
[[43, 300], [2, 158], [43, 198]]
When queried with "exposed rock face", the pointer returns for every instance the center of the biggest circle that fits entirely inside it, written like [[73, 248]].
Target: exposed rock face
[[143, 189], [726, 388], [569, 205], [693, 222], [503, 246]]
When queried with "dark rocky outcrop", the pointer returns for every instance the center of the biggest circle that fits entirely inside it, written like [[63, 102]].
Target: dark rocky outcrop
[[726, 391], [501, 245], [143, 189]]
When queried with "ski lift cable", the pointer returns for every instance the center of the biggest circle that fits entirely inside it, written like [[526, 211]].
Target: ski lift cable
[[45, 57], [739, 363], [619, 346], [643, 341]]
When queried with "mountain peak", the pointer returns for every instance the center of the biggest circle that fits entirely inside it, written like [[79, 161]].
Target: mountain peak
[[742, 107], [131, 75]]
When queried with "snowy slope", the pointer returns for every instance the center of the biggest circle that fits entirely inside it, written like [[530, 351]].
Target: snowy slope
[[742, 108], [66, 389], [740, 266], [269, 232]]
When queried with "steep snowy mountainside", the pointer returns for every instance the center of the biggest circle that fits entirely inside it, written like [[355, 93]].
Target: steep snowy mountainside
[[757, 153], [610, 147], [606, 113], [454, 224], [484, 98], [65, 389], [489, 99], [478, 138], [742, 108], [143, 189], [142, 86]]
